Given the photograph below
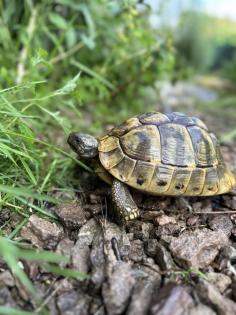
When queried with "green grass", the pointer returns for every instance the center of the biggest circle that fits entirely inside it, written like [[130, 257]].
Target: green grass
[[65, 66]]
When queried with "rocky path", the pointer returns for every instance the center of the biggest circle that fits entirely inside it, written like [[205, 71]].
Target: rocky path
[[179, 258]]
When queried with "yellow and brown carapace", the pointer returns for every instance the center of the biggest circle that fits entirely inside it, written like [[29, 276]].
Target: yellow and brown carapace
[[171, 154]]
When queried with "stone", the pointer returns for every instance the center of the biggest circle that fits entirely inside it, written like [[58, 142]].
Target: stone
[[156, 204], [171, 298], [150, 247], [141, 230], [221, 222], [136, 253], [144, 288], [197, 248], [73, 302], [164, 259], [64, 247], [80, 256], [165, 219], [219, 280], [169, 229], [193, 220], [6, 298], [116, 291], [42, 233], [230, 202], [6, 279], [212, 297], [97, 261], [201, 309], [95, 199], [72, 215], [87, 231], [117, 233]]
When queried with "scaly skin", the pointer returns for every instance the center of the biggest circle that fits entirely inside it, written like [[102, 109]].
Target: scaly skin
[[124, 203]]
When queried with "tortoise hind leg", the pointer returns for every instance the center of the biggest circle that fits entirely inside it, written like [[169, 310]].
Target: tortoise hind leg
[[125, 205]]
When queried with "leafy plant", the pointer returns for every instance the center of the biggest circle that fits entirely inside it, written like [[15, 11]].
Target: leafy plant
[[66, 65]]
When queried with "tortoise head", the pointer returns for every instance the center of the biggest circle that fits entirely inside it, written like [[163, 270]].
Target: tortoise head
[[84, 145]]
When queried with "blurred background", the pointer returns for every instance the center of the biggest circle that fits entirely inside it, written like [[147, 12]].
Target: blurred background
[[88, 65]]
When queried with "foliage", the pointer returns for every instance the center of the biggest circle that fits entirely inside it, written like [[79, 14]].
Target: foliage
[[202, 39], [67, 65]]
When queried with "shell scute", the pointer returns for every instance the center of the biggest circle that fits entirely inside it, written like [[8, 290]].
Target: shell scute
[[154, 118], [179, 183], [204, 149], [124, 169], [176, 145], [125, 127], [143, 143], [142, 175]]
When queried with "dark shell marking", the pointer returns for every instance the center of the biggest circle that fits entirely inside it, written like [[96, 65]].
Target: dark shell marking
[[166, 155]]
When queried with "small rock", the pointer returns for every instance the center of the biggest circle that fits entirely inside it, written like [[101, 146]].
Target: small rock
[[233, 231], [80, 257], [117, 290], [156, 204], [211, 296], [201, 309], [229, 202], [136, 251], [6, 298], [73, 302], [71, 214], [87, 231], [64, 248], [97, 307], [115, 232], [42, 233], [163, 258], [219, 280], [165, 219], [93, 209], [227, 259], [193, 220], [197, 248], [202, 206], [6, 279], [5, 215], [143, 291], [95, 199], [141, 230], [221, 222], [233, 287], [149, 215], [150, 247], [182, 204], [172, 298], [168, 229], [97, 260]]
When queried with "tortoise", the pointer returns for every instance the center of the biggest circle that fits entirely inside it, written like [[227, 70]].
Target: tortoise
[[158, 154]]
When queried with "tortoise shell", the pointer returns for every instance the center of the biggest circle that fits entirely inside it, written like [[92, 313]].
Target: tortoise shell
[[169, 154]]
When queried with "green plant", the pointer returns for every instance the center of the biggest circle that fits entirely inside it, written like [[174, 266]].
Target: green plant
[[66, 65]]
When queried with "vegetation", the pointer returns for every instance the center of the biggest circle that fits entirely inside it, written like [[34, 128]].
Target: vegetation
[[65, 66]]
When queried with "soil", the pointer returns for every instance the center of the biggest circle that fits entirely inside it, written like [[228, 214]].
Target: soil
[[178, 258]]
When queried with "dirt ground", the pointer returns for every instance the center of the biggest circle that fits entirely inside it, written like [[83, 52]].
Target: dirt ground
[[178, 258]]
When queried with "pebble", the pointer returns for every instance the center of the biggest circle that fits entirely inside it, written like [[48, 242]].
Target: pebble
[[172, 299], [42, 233], [209, 295], [116, 291], [197, 248], [221, 222]]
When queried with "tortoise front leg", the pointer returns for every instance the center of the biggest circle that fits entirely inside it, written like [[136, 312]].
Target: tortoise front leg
[[124, 203]]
